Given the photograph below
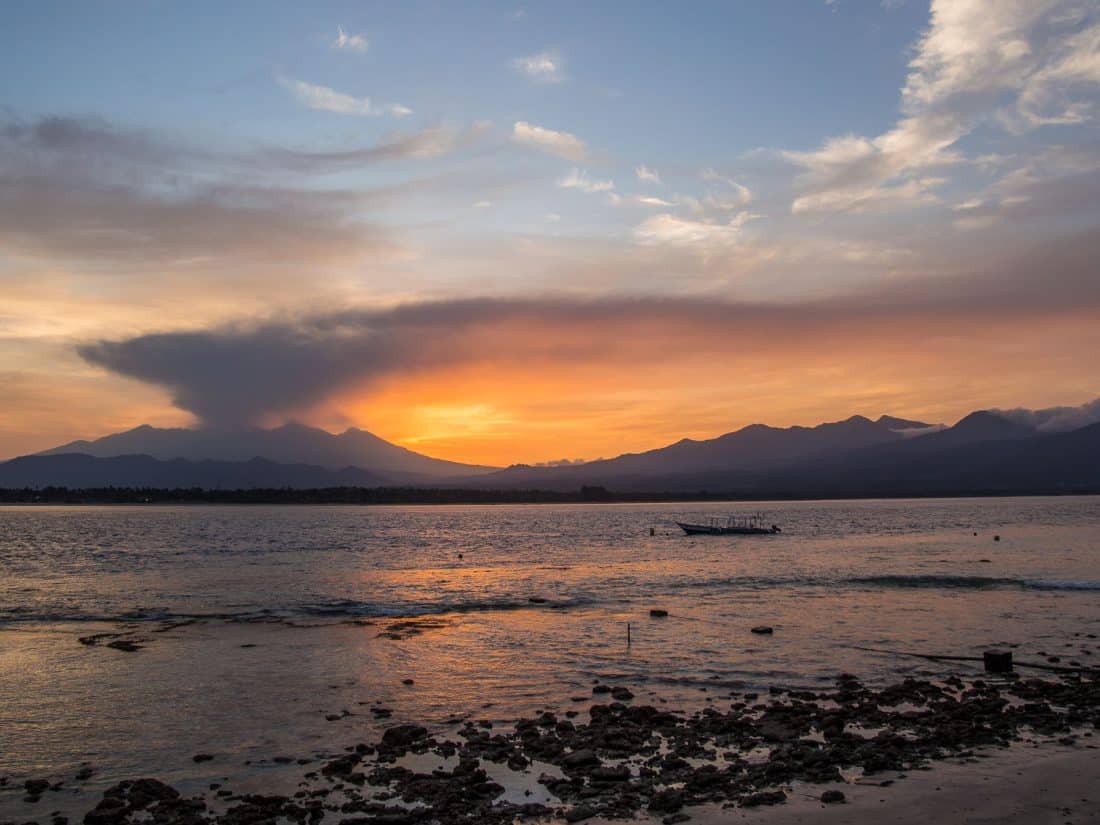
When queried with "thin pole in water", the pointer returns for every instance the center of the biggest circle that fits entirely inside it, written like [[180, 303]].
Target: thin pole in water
[[628, 634]]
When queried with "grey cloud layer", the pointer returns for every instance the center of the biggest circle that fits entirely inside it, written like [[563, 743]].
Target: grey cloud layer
[[83, 189], [238, 374]]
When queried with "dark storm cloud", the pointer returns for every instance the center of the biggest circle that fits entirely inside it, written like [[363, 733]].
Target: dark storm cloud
[[240, 373]]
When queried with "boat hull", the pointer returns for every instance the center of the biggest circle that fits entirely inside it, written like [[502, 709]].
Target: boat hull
[[715, 530]]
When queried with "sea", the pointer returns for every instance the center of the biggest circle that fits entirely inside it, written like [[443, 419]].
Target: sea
[[269, 636]]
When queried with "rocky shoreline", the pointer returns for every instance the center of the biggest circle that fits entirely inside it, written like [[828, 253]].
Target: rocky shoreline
[[616, 759]]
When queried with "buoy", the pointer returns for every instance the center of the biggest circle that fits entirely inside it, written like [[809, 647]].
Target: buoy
[[996, 538]]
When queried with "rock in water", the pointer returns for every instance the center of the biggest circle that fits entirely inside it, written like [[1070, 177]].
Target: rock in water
[[764, 798], [124, 645], [763, 630], [832, 797], [403, 735], [580, 813], [580, 759]]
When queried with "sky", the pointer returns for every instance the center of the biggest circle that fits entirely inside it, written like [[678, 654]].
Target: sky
[[508, 232]]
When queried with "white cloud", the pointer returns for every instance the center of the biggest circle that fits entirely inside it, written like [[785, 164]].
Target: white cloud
[[973, 203], [578, 179], [739, 197], [705, 236], [647, 175], [545, 67], [640, 200], [349, 42], [483, 204], [329, 100], [909, 193], [649, 200], [1029, 62], [562, 144]]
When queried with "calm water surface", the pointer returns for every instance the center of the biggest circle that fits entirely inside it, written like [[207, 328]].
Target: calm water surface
[[297, 614]]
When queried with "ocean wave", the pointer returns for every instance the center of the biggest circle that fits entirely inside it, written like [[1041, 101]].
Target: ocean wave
[[970, 582], [890, 580], [337, 610]]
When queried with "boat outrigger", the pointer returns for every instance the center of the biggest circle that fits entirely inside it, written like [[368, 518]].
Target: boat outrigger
[[730, 525]]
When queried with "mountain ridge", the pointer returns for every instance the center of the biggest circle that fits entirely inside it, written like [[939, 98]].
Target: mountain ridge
[[857, 450], [77, 470], [291, 443]]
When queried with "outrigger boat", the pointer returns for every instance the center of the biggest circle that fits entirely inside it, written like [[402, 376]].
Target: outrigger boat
[[730, 525]]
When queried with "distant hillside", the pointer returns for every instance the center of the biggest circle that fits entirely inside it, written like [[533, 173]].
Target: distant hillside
[[290, 444], [984, 451], [1013, 462], [753, 449], [85, 471]]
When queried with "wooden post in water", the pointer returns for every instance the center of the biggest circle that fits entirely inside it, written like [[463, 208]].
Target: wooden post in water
[[628, 634]]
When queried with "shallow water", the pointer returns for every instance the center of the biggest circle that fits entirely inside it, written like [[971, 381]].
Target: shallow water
[[303, 613]]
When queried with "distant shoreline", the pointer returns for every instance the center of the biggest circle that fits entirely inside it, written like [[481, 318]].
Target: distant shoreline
[[381, 496]]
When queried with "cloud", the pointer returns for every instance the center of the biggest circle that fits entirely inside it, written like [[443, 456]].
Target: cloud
[[736, 197], [324, 99], [129, 226], [578, 179], [349, 42], [1055, 185], [1055, 419], [87, 193], [83, 146], [1029, 63], [561, 144], [544, 67], [870, 198], [705, 236], [647, 175], [426, 144], [248, 372], [640, 200]]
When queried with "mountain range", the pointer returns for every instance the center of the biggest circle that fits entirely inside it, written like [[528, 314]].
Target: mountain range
[[986, 451], [291, 443]]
